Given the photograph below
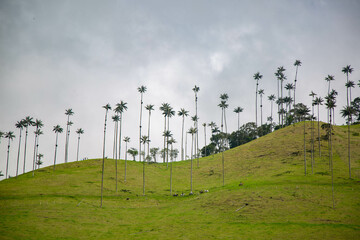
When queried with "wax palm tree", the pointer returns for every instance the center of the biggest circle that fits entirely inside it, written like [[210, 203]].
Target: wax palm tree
[[348, 112], [182, 113], [257, 76], [57, 129], [167, 134], [271, 98], [150, 108], [141, 90], [289, 87], [38, 124], [68, 112], [261, 93], [126, 140], [238, 110], [347, 70], [330, 104], [312, 94], [9, 135], [204, 125], [171, 142], [144, 140], [154, 152], [107, 107], [79, 132], [225, 97], [281, 77], [133, 152], [28, 121], [192, 131], [212, 126], [39, 162], [296, 64], [20, 125], [317, 102], [120, 109], [302, 112], [164, 108], [116, 119], [196, 89], [169, 113]]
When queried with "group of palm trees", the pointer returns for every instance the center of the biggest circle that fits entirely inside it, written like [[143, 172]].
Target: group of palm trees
[[37, 156]]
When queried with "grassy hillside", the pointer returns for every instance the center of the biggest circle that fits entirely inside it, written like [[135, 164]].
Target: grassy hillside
[[266, 196]]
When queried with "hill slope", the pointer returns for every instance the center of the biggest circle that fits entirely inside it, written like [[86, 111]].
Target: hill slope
[[274, 200]]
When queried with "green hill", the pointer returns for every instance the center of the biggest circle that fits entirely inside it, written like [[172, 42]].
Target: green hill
[[266, 196]]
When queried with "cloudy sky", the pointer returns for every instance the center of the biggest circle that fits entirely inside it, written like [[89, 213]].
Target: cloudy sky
[[56, 55]]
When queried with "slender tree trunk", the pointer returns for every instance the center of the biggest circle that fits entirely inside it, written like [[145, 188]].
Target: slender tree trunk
[[319, 139], [312, 137], [67, 139], [261, 116], [278, 95], [182, 138], [77, 152], [148, 143], [171, 170], [238, 121], [197, 132], [191, 170], [103, 162], [205, 139], [7, 160], [186, 145], [295, 85], [119, 152], [271, 112], [144, 172], [304, 149], [18, 156], [34, 158], [56, 145], [125, 160], [223, 162], [282, 105], [164, 156], [349, 148], [114, 145], [25, 148], [256, 93], [167, 143], [331, 164]]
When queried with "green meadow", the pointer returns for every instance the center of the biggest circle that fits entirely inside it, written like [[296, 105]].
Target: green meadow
[[266, 195]]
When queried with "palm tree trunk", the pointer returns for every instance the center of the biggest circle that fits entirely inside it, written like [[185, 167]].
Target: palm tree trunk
[[56, 145], [25, 148], [103, 162], [119, 153], [148, 143], [295, 85], [223, 162], [67, 139], [164, 157], [331, 165], [7, 159], [77, 152], [167, 143], [18, 156], [304, 149], [261, 116], [256, 92], [182, 138], [197, 132], [349, 147], [191, 170], [319, 132], [125, 160], [114, 145], [34, 158], [186, 144], [205, 139], [171, 171], [271, 112], [144, 172]]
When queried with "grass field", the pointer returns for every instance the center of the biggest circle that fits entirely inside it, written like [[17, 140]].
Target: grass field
[[266, 196]]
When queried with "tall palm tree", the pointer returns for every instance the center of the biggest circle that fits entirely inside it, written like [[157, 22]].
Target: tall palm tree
[[107, 107], [257, 76], [119, 109], [281, 77], [20, 125], [192, 131], [144, 140], [349, 85], [289, 87], [317, 102], [167, 134], [312, 94], [38, 124], [28, 121], [150, 108], [347, 70], [196, 89], [261, 93], [302, 112], [271, 98], [225, 97], [164, 108], [330, 104], [39, 162], [79, 132], [171, 141], [296, 64], [212, 125], [68, 112], [182, 113], [154, 152], [141, 90], [116, 119], [204, 125], [348, 112], [169, 113], [10, 135], [126, 140], [238, 110], [57, 129]]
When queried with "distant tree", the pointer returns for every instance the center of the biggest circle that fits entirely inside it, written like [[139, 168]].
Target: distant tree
[[312, 94], [317, 102], [165, 110], [169, 113], [171, 141], [141, 90], [20, 125], [196, 89], [116, 119], [271, 98], [302, 112], [182, 113], [28, 121], [133, 152], [257, 76], [126, 140], [296, 64], [348, 112], [79, 132], [57, 129], [38, 124], [247, 133], [144, 141], [107, 107], [39, 162], [261, 93], [9, 135], [167, 134], [281, 77], [238, 110], [68, 112], [192, 131], [1, 135], [150, 108], [154, 152], [355, 104], [204, 125]]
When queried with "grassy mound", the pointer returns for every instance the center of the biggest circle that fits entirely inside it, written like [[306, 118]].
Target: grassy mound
[[266, 196]]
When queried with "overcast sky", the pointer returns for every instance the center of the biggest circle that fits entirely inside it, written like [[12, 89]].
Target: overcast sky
[[56, 55]]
